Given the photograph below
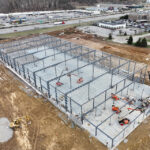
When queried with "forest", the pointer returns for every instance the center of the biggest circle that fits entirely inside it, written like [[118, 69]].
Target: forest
[[37, 5]]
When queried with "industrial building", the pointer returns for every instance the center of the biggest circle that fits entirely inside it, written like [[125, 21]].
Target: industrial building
[[83, 83], [112, 24], [140, 16]]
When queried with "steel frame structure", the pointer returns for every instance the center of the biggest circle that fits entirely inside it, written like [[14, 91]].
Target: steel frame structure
[[112, 65]]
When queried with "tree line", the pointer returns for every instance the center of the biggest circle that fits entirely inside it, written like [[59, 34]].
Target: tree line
[[7, 6], [139, 43], [39, 5]]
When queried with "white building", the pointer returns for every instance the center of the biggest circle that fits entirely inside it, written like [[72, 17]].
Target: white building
[[112, 25]]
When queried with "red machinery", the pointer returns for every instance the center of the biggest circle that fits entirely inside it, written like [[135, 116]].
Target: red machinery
[[80, 80], [114, 97], [116, 109], [124, 121], [59, 83]]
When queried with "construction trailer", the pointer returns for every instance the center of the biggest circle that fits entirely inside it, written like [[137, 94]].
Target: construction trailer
[[80, 81]]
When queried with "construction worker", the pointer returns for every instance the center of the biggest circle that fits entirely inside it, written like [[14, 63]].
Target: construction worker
[[124, 121], [116, 109], [114, 97]]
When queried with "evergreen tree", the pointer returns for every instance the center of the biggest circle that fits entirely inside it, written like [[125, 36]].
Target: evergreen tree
[[144, 43], [125, 17], [120, 32], [130, 40], [110, 36], [138, 43], [125, 34]]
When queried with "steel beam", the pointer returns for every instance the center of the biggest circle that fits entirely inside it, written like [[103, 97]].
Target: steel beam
[[39, 51], [79, 68], [26, 42], [116, 92], [65, 60], [95, 78], [43, 57], [31, 47], [115, 69], [34, 73], [120, 107], [50, 56], [29, 42], [114, 85]]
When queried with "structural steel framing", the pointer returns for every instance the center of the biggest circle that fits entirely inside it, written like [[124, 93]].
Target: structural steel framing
[[17, 55]]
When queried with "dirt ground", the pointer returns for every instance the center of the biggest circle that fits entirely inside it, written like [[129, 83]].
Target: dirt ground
[[47, 131]]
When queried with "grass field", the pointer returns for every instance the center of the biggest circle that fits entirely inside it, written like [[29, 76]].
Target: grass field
[[35, 31], [40, 31]]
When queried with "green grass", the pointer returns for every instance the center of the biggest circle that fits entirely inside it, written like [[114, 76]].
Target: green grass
[[40, 31], [35, 31]]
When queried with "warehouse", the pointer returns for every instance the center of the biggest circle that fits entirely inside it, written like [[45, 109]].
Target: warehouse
[[112, 25]]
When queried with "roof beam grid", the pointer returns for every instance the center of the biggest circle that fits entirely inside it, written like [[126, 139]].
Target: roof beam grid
[[79, 68], [116, 85], [39, 51], [47, 56], [75, 57], [26, 42], [30, 47], [95, 78]]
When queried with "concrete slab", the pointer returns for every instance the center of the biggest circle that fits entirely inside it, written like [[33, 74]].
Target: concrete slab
[[5, 132]]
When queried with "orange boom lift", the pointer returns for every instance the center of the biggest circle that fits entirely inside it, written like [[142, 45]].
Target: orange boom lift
[[114, 97]]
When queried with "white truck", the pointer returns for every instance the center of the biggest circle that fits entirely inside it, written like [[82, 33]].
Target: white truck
[[58, 23]]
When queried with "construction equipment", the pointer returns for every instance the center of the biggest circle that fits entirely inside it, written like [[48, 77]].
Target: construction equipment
[[129, 100], [17, 122], [124, 121], [58, 83], [80, 80], [116, 109], [114, 97], [145, 103], [137, 109], [69, 75]]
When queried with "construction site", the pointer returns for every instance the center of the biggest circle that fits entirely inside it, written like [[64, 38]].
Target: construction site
[[100, 92]]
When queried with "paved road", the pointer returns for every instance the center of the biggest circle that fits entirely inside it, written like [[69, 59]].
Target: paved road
[[48, 25]]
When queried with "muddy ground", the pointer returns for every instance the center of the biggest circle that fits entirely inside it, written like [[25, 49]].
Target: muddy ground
[[47, 131]]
